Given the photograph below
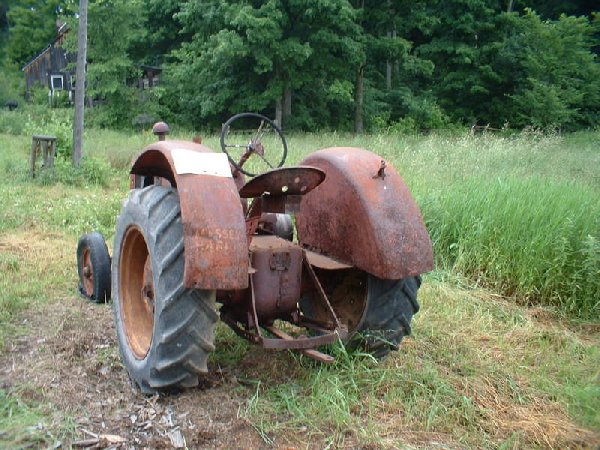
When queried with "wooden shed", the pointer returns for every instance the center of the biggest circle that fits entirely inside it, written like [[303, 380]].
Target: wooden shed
[[49, 68]]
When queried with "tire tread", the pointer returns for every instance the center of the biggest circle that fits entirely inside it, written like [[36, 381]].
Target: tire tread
[[391, 304], [184, 319]]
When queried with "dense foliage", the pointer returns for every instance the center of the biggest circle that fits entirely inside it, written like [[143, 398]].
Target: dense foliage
[[323, 64]]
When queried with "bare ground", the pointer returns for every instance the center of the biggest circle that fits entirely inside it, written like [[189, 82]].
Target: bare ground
[[69, 359]]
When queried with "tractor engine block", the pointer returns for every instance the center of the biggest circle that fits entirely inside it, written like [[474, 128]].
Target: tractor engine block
[[277, 278]]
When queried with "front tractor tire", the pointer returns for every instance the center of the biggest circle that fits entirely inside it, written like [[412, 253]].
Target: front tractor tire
[[165, 331], [93, 267]]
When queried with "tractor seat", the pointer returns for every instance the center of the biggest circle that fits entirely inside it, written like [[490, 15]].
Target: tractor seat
[[284, 181]]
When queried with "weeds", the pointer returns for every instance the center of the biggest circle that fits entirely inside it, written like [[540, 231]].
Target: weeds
[[22, 426], [92, 171]]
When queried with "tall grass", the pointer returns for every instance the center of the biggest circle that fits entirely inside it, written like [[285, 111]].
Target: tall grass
[[519, 213], [533, 238]]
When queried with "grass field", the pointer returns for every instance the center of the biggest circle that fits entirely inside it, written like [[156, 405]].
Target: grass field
[[505, 350]]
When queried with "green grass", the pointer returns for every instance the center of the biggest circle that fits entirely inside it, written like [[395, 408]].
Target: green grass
[[477, 373], [517, 213], [21, 426]]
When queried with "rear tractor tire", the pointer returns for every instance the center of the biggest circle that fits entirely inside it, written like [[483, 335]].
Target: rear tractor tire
[[93, 267], [165, 330], [377, 312]]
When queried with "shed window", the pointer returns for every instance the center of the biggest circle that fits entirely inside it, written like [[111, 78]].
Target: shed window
[[56, 82]]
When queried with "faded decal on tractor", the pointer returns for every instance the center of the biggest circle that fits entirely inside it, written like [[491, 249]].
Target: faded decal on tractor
[[196, 163], [218, 240]]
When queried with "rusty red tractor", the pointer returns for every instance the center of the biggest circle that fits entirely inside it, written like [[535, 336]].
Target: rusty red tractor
[[297, 257]]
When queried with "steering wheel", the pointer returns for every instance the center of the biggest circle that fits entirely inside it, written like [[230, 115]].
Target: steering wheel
[[247, 134]]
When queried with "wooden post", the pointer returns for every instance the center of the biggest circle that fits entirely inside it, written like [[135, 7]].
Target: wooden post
[[44, 146], [80, 83], [52, 153], [34, 149]]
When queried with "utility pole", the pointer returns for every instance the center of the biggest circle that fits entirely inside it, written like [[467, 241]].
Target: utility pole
[[80, 83]]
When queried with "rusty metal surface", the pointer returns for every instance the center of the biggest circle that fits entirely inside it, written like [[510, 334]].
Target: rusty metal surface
[[278, 265], [274, 292], [136, 288], [215, 243], [288, 342], [280, 204], [322, 295], [160, 129], [286, 181], [325, 262], [311, 353], [363, 218], [278, 224], [299, 342], [88, 273], [346, 291]]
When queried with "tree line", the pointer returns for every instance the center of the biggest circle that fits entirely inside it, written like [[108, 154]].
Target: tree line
[[331, 64]]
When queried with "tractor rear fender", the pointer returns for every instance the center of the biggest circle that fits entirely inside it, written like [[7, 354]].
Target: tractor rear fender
[[214, 230], [364, 215]]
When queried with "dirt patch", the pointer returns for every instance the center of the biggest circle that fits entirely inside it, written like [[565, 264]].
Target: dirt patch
[[70, 360], [543, 422], [24, 243]]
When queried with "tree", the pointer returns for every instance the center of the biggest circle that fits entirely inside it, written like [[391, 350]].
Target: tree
[[257, 55], [462, 44], [162, 32], [4, 24], [11, 79], [114, 29], [555, 77], [343, 64], [554, 9], [395, 75], [32, 26]]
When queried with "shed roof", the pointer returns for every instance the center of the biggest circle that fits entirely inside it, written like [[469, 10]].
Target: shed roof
[[62, 31]]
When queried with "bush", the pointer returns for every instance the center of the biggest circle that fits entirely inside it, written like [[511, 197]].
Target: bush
[[11, 83], [409, 115], [92, 171], [551, 71], [53, 122], [12, 122], [40, 119], [38, 95]]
